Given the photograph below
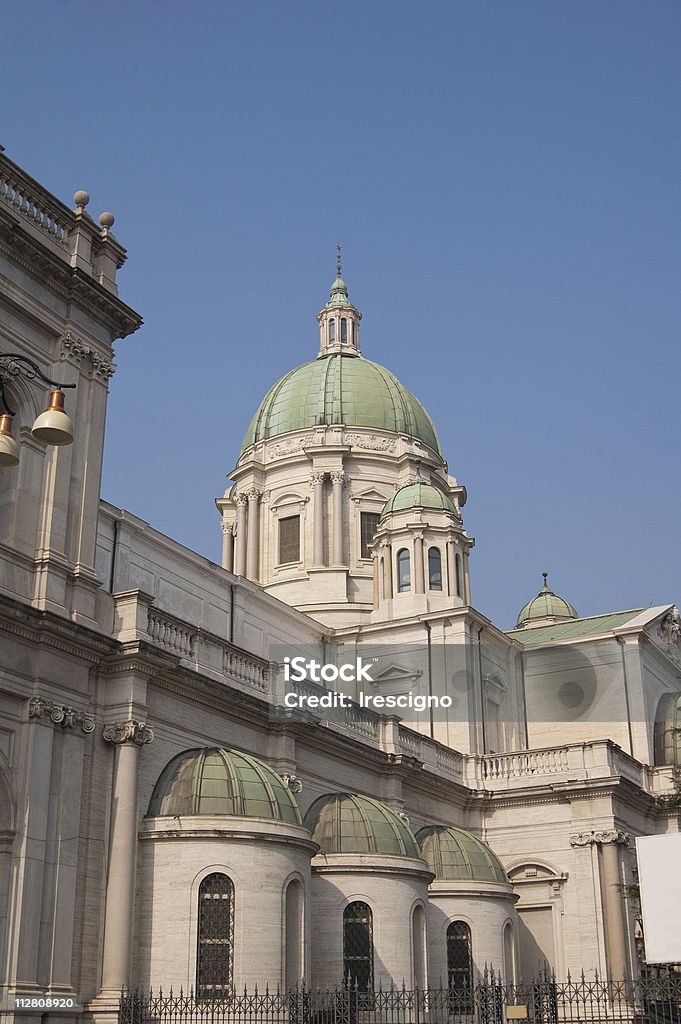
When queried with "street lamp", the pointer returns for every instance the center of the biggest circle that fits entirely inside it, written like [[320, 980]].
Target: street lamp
[[52, 426]]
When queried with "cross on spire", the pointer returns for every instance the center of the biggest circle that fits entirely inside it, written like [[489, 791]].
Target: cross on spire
[[338, 258]]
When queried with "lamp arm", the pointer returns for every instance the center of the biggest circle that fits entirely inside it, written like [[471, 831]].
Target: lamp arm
[[9, 369]]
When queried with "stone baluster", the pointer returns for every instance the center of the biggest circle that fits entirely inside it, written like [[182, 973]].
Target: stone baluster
[[241, 534]]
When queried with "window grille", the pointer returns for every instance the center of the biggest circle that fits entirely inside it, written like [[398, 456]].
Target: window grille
[[289, 539], [460, 967], [358, 947], [344, 331], [368, 524], [434, 569], [215, 940]]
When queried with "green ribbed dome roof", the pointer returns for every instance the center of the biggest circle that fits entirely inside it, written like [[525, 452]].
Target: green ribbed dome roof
[[546, 605], [222, 780], [453, 854], [340, 389], [418, 495], [347, 823]]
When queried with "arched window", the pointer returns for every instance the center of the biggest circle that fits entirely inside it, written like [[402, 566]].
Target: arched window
[[295, 915], [403, 571], [215, 939], [344, 331], [509, 954], [457, 568], [332, 330], [358, 947], [434, 569], [418, 937], [460, 967], [668, 730]]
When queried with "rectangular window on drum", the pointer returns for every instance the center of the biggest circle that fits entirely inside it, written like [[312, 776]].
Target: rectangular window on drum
[[289, 539], [368, 524]]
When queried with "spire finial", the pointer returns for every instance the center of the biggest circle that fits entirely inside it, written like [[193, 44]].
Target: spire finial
[[546, 589], [546, 576], [338, 259]]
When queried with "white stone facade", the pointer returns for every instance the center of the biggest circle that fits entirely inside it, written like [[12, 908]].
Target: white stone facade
[[120, 649]]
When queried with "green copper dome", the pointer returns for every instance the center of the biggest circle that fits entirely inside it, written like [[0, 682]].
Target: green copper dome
[[346, 823], [418, 495], [340, 389], [453, 854], [546, 605], [222, 780]]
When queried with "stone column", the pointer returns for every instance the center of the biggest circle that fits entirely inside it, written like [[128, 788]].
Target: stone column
[[228, 546], [253, 534], [608, 843], [419, 577], [127, 737], [317, 480], [337, 479], [466, 582], [388, 572], [451, 569], [241, 531]]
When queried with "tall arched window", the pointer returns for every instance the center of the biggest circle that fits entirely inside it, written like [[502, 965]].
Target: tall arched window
[[358, 947], [434, 569], [403, 571], [344, 331], [215, 939], [460, 967], [418, 938], [457, 566], [509, 954], [332, 330], [295, 915]]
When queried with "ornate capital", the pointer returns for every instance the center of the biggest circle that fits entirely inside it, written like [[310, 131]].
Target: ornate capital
[[317, 478], [612, 835], [338, 476], [131, 731], [241, 498], [73, 346], [253, 494], [60, 714], [227, 527], [101, 369]]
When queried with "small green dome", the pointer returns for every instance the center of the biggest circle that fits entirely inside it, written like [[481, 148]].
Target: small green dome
[[222, 780], [418, 495], [339, 293], [346, 823], [340, 389], [453, 854], [546, 605]]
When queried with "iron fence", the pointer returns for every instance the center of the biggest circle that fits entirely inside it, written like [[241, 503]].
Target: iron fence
[[542, 1001]]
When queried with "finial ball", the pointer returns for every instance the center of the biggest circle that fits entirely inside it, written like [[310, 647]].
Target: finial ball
[[81, 198], [107, 219]]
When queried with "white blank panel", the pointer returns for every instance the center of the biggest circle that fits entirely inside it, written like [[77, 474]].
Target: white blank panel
[[659, 874]]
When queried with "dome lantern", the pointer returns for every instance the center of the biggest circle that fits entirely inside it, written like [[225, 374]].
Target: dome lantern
[[338, 320]]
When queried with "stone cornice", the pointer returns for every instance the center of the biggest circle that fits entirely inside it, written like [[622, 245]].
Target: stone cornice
[[36, 626], [70, 283]]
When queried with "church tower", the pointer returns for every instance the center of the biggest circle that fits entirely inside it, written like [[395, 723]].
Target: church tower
[[326, 457]]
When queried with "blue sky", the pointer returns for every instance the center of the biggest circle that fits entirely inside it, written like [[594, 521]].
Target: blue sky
[[504, 178]]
